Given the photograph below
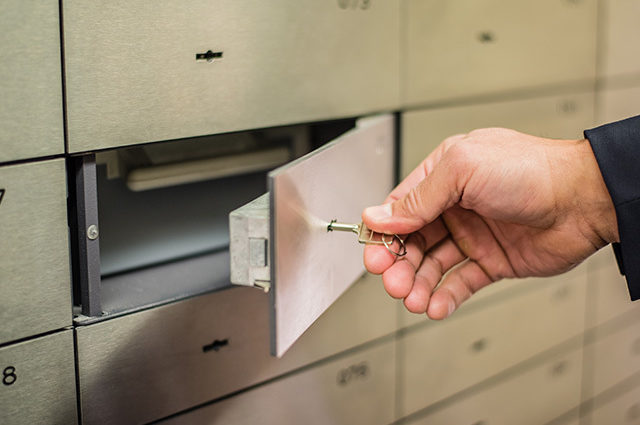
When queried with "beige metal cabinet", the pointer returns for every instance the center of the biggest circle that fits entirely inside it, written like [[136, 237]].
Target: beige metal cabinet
[[621, 54], [465, 48], [557, 117], [535, 396], [619, 103], [609, 292], [38, 381], [443, 358], [622, 410], [151, 364], [35, 281], [615, 356], [30, 80], [358, 389], [271, 63]]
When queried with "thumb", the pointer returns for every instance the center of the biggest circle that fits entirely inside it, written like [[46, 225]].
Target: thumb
[[421, 205]]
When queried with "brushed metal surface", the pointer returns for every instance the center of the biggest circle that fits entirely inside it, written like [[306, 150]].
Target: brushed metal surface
[[312, 267], [35, 282], [148, 365], [533, 397], [30, 80], [470, 47], [561, 116], [476, 346], [624, 409], [620, 27], [358, 389], [250, 264], [618, 103], [132, 77], [615, 356], [42, 387]]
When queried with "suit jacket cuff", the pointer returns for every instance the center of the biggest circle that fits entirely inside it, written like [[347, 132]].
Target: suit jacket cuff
[[617, 150]]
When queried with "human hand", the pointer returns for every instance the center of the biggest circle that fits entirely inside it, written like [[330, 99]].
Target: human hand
[[491, 204]]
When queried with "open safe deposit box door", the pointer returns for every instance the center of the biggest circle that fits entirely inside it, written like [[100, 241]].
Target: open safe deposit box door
[[280, 241]]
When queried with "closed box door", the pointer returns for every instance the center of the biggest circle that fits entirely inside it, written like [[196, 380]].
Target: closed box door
[[30, 80], [621, 54], [35, 281], [139, 72], [615, 356], [464, 48], [38, 381], [556, 117], [151, 364], [534, 396], [621, 408], [445, 357], [357, 389]]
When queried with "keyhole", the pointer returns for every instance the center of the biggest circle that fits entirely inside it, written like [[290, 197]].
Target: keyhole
[[215, 345], [479, 345], [486, 37], [208, 56]]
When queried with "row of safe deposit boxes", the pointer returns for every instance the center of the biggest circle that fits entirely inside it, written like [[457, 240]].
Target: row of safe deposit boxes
[[115, 302]]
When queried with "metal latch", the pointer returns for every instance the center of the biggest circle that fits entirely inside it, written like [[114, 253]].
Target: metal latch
[[249, 233]]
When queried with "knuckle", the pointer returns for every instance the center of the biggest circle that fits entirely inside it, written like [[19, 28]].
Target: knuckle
[[412, 203], [461, 154]]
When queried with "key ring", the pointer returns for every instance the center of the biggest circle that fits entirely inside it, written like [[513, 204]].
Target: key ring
[[388, 244]]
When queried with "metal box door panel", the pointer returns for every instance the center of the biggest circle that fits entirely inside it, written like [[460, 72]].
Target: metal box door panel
[[312, 267], [356, 389], [483, 342], [38, 381], [458, 49], [534, 396], [30, 80], [132, 74], [35, 279], [151, 364]]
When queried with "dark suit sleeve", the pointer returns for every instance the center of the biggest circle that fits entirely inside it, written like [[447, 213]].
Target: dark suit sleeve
[[617, 150]]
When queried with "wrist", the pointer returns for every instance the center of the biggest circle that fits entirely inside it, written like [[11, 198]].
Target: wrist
[[593, 198]]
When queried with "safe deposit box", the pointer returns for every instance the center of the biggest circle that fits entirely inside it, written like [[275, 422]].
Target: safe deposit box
[[153, 153]]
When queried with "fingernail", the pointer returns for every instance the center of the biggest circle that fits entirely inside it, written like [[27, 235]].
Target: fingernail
[[452, 307], [379, 212]]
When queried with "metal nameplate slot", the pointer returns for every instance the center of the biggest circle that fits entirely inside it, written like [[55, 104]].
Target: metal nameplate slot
[[306, 268]]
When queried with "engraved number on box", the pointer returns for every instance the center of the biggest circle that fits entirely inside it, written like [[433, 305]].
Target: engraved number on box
[[354, 372], [9, 376]]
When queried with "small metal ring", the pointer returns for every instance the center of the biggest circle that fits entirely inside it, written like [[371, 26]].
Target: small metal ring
[[387, 244]]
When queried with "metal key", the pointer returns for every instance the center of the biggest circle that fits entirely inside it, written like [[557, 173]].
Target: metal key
[[368, 236]]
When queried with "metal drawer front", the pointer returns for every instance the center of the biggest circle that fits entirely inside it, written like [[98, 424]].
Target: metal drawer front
[[471, 47], [30, 80], [38, 381], [609, 292], [615, 357], [553, 116], [358, 389], [620, 49], [623, 410], [534, 397], [34, 265], [132, 73], [480, 344], [151, 364], [617, 104]]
